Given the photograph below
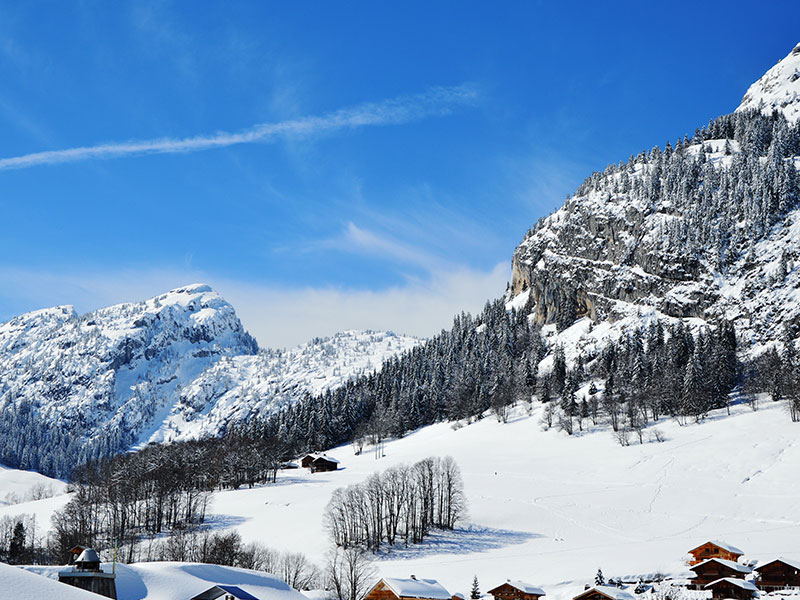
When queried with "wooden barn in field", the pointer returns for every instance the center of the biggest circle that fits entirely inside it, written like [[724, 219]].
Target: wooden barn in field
[[604, 592], [717, 568], [306, 461], [778, 574], [392, 588], [732, 588], [516, 590], [714, 549], [324, 463]]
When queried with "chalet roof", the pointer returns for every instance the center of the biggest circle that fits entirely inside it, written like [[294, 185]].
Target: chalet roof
[[719, 544], [739, 568], [795, 564], [609, 591], [740, 583], [526, 588], [328, 458], [218, 590], [417, 588]]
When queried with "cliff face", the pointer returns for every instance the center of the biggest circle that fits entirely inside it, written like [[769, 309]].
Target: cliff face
[[706, 229]]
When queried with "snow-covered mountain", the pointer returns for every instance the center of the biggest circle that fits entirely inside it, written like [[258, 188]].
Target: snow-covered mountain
[[707, 229], [778, 89], [174, 366], [236, 388]]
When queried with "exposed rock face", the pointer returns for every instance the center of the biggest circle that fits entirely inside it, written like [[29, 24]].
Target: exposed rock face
[[707, 230]]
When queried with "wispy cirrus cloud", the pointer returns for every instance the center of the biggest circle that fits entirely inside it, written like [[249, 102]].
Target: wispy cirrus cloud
[[437, 101]]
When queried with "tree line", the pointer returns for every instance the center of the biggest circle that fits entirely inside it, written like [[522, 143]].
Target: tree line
[[130, 499], [397, 506]]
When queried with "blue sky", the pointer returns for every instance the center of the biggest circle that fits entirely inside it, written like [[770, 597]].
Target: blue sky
[[333, 165]]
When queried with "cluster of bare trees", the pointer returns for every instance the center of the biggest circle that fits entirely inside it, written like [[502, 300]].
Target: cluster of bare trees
[[400, 505], [131, 498]]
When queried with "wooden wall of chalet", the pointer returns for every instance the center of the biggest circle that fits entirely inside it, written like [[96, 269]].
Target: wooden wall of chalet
[[712, 571], [509, 592], [777, 575], [723, 589], [709, 550]]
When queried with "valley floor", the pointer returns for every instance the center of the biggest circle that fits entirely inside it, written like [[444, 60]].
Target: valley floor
[[550, 509]]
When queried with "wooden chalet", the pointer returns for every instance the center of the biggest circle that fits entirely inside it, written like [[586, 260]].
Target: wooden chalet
[[324, 463], [306, 461], [717, 568], [604, 592], [733, 588], [516, 590], [392, 588], [224, 592], [714, 549], [778, 574]]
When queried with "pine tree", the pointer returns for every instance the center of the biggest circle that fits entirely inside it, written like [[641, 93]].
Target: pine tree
[[599, 579], [475, 592]]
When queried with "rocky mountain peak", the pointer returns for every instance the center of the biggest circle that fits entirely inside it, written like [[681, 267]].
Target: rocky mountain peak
[[778, 89]]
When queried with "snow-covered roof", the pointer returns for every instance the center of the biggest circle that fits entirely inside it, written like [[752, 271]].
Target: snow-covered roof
[[740, 583], [792, 563], [719, 544], [218, 590], [610, 591], [728, 563], [328, 458], [30, 586], [526, 587], [417, 588], [89, 555]]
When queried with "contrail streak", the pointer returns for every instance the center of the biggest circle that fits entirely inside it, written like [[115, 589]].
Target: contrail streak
[[434, 102]]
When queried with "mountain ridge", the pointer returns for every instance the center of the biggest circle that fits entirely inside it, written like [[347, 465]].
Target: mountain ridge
[[79, 387]]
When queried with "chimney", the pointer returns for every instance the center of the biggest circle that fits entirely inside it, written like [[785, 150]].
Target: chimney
[[414, 577]]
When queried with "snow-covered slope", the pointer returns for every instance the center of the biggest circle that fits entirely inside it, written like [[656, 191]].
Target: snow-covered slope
[[549, 508], [158, 581], [175, 366], [238, 387], [23, 486], [778, 89]]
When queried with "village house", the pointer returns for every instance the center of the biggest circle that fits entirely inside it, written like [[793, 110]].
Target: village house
[[714, 549], [604, 592], [778, 574], [324, 463], [516, 590], [717, 568], [732, 588], [392, 588], [224, 592], [306, 461]]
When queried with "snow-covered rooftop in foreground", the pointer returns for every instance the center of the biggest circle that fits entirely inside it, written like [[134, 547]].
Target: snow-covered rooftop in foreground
[[170, 581], [19, 584], [417, 588]]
